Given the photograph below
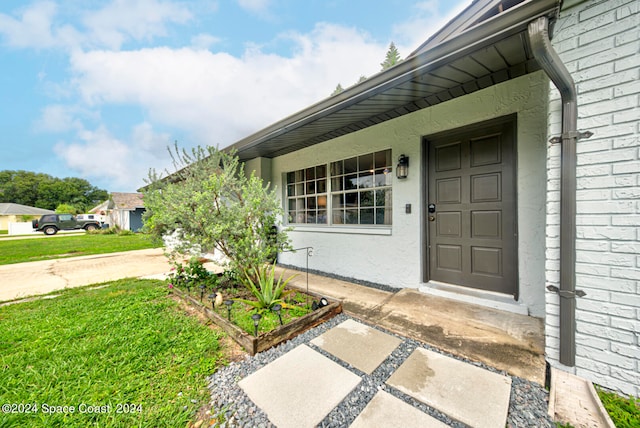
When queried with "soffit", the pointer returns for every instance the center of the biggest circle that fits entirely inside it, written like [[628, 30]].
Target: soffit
[[489, 53]]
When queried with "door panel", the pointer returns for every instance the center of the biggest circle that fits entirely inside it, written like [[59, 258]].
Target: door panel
[[448, 190], [449, 257], [449, 224], [486, 261], [448, 157], [472, 234], [486, 187], [486, 224]]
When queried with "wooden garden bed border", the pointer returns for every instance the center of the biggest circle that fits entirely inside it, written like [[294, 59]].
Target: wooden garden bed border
[[264, 341]]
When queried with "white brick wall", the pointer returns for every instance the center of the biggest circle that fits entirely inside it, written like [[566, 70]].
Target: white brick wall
[[599, 42]]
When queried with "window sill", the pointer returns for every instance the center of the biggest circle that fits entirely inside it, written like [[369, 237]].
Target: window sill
[[363, 230]]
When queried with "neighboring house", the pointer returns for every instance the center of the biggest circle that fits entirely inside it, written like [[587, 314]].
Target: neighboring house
[[507, 202], [123, 210], [16, 213]]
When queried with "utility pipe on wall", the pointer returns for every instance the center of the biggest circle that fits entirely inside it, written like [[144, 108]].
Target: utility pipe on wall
[[559, 75]]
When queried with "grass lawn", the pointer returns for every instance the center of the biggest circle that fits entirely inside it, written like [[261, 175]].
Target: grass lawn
[[126, 350], [30, 250]]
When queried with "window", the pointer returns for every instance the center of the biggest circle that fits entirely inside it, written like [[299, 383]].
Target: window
[[307, 195], [357, 191]]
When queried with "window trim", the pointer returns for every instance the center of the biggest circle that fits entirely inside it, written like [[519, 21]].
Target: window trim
[[355, 229]]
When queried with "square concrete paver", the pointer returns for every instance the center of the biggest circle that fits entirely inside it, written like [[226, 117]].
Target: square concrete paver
[[464, 392], [385, 411], [363, 347], [300, 388]]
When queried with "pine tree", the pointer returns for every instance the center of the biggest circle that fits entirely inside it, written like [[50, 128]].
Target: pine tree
[[392, 57], [337, 90]]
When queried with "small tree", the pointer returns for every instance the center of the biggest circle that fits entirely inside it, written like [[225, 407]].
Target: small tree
[[337, 90], [392, 57], [211, 203], [67, 209]]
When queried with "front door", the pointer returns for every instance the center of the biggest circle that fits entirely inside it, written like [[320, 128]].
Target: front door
[[471, 212]]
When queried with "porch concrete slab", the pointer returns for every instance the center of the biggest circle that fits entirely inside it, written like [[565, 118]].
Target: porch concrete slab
[[469, 394], [363, 347], [504, 340], [300, 388], [385, 410]]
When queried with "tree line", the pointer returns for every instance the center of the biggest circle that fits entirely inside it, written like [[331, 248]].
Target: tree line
[[48, 192]]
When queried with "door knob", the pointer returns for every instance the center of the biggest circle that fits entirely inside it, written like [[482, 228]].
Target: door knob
[[432, 218]]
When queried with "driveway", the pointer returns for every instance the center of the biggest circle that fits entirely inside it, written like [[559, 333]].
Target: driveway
[[26, 279]]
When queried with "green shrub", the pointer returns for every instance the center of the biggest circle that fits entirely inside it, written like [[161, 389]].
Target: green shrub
[[67, 209], [113, 230], [190, 275], [624, 411], [261, 281]]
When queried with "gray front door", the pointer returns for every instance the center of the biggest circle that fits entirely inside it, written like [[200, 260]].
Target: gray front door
[[472, 208]]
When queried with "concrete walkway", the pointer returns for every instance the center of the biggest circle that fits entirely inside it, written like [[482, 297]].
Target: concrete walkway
[[32, 278], [314, 384]]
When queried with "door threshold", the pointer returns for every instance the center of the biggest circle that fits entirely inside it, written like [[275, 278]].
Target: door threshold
[[488, 299]]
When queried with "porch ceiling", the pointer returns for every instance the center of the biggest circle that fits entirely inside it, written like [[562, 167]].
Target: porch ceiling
[[484, 55]]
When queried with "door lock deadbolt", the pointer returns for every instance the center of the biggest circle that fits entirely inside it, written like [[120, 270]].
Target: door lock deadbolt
[[432, 208]]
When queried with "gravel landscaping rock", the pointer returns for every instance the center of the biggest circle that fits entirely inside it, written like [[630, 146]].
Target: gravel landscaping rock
[[527, 408]]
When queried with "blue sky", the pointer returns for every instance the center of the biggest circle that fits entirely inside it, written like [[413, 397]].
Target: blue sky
[[100, 89]]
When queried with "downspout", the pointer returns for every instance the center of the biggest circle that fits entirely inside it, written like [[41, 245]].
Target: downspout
[[559, 75]]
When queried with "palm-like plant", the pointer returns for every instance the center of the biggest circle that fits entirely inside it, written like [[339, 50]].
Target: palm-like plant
[[261, 281]]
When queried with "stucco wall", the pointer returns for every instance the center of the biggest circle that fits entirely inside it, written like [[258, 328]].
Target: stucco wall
[[394, 256], [599, 42]]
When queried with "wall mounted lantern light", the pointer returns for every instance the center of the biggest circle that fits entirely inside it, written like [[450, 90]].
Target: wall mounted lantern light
[[402, 170]]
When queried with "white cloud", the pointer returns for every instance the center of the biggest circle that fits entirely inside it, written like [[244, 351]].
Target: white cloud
[[425, 20], [204, 41], [255, 6], [149, 142], [110, 27], [59, 118], [96, 154], [219, 98], [132, 19], [124, 164], [35, 28]]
